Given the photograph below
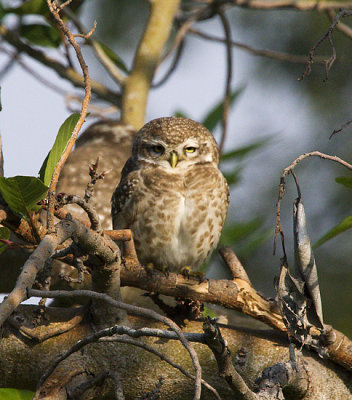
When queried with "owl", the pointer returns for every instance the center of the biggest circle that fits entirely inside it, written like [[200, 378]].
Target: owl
[[172, 194]]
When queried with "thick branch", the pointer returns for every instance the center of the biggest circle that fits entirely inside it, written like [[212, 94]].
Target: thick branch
[[89, 241], [137, 85], [134, 310]]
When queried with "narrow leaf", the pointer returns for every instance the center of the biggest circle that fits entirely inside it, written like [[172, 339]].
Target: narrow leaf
[[233, 232], [15, 394], [345, 181], [62, 138], [113, 57], [241, 152], [22, 193], [341, 227], [41, 35], [4, 234], [214, 117], [31, 7], [181, 114], [233, 177]]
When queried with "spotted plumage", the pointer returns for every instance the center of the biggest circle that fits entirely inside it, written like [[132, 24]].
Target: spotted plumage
[[172, 195]]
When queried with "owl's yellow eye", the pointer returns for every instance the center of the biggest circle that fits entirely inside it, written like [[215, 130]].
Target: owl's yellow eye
[[157, 149], [190, 149]]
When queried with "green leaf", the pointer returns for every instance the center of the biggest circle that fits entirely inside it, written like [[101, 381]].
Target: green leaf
[[22, 193], [2, 12], [241, 152], [31, 7], [345, 181], [181, 114], [208, 312], [341, 227], [233, 232], [41, 35], [4, 234], [113, 56], [214, 117], [62, 138], [233, 177], [15, 394]]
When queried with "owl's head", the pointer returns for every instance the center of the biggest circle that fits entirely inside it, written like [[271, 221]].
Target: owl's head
[[174, 142]]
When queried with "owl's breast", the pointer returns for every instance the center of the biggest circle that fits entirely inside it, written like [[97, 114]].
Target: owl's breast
[[180, 218]]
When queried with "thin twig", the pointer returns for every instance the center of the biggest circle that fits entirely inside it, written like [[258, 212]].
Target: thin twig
[[162, 357], [54, 9], [226, 102], [172, 67], [109, 65], [301, 5], [342, 127], [64, 199], [134, 310], [345, 29], [276, 55], [329, 63], [98, 381], [289, 169], [64, 72]]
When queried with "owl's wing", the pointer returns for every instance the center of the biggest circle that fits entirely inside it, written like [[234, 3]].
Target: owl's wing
[[123, 193]]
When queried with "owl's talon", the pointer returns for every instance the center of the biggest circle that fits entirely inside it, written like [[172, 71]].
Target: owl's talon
[[187, 273], [150, 267]]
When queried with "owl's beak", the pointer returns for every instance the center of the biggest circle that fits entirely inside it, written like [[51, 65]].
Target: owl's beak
[[173, 159]]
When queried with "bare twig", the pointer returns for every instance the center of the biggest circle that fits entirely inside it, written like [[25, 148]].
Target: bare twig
[[345, 29], [110, 67], [276, 55], [162, 357], [289, 169], [54, 8], [11, 62], [94, 177], [64, 72], [147, 57], [226, 102], [329, 63], [342, 127], [217, 345], [172, 67], [64, 199], [134, 310], [234, 264], [301, 5], [98, 381], [87, 35]]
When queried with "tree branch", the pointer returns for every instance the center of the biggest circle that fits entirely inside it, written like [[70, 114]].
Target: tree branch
[[55, 8], [137, 85], [64, 72], [134, 310], [276, 55]]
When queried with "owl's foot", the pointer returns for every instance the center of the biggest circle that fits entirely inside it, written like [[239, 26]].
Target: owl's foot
[[187, 273], [150, 267]]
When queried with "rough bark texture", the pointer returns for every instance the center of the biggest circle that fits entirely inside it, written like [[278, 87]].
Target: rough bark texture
[[23, 361]]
